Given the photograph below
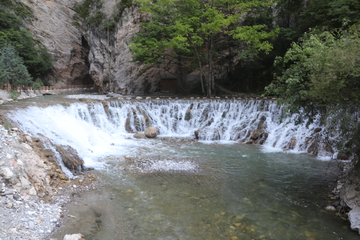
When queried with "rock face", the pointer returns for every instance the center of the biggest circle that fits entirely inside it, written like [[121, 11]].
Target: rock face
[[89, 54], [151, 132], [110, 59], [53, 27]]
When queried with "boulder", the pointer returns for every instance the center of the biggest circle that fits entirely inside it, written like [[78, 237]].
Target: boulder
[[151, 132], [292, 144], [70, 157], [139, 135], [196, 133], [354, 218], [256, 134], [127, 126]]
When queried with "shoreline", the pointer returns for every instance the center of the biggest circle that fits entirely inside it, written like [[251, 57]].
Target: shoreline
[[33, 203], [33, 189]]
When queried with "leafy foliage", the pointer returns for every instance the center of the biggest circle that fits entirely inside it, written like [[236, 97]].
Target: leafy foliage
[[12, 69], [37, 84], [198, 32], [20, 9], [35, 56], [321, 74], [324, 69]]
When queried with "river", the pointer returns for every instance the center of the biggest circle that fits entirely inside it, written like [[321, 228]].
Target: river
[[175, 187]]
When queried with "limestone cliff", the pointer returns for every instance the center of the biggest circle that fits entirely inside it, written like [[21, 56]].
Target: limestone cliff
[[110, 59], [88, 54]]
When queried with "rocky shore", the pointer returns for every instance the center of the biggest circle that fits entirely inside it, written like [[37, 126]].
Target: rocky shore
[[33, 188]]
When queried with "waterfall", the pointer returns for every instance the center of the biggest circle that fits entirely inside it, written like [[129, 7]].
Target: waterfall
[[102, 128]]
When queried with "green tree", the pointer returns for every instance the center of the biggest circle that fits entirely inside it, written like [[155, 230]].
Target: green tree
[[323, 68], [198, 33], [321, 74], [12, 68], [35, 56]]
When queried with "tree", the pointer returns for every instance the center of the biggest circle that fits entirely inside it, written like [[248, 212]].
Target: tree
[[198, 34], [35, 56], [12, 68], [321, 74]]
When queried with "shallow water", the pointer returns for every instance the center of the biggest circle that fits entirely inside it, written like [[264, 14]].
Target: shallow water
[[233, 191], [239, 191]]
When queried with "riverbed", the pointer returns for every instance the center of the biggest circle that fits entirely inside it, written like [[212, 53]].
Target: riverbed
[[176, 187]]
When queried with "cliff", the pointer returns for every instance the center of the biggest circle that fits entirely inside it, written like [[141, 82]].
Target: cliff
[[86, 53]]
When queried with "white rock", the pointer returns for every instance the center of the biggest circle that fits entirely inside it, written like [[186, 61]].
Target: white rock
[[330, 208], [26, 146], [9, 156], [19, 162], [29, 139], [6, 173], [354, 218], [32, 191], [25, 184], [73, 237]]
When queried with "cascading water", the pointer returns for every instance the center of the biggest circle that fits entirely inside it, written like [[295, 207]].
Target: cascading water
[[206, 189], [82, 126]]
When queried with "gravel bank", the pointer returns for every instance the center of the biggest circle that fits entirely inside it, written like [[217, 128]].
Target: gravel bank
[[33, 189]]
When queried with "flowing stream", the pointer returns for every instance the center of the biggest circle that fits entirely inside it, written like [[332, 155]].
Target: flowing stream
[[174, 187]]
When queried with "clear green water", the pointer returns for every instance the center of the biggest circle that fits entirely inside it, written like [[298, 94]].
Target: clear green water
[[240, 192]]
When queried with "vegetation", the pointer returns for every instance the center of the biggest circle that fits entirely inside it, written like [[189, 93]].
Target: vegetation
[[198, 33], [21, 10], [37, 84], [35, 57], [323, 68], [12, 68], [90, 12]]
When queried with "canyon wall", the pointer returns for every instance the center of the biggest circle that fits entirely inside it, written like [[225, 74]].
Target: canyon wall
[[88, 54]]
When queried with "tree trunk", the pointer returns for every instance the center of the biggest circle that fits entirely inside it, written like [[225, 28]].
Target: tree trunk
[[201, 72]]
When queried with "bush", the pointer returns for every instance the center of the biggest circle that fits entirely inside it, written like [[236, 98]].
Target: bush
[[35, 56], [323, 69], [12, 68], [37, 84], [13, 94]]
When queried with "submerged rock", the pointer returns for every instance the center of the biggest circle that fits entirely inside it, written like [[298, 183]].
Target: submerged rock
[[151, 132], [139, 135]]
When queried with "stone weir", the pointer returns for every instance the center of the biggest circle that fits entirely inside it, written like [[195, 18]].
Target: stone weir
[[246, 121]]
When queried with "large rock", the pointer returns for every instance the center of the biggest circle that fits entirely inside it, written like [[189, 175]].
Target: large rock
[[70, 157], [350, 198], [151, 132], [354, 218]]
